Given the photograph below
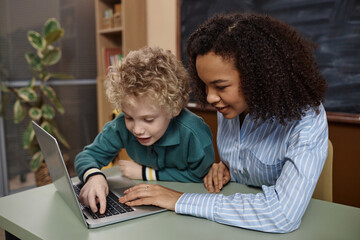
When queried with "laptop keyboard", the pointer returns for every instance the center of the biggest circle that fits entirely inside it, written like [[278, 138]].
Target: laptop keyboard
[[113, 207]]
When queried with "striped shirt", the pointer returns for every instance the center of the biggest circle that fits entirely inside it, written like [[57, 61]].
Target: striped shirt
[[285, 161]]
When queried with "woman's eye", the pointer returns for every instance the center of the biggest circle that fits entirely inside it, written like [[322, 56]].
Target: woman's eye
[[221, 87]]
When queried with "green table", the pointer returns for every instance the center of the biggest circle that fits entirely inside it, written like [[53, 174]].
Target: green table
[[44, 215]]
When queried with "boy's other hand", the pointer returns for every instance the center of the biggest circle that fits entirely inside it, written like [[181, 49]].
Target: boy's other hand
[[94, 192], [130, 169], [217, 177]]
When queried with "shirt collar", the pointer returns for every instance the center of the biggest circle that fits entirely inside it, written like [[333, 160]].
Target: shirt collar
[[170, 137]]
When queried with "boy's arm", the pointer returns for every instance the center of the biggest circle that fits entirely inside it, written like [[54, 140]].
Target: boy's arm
[[100, 153]]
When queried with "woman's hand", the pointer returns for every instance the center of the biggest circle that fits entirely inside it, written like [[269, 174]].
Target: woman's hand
[[217, 177], [130, 169], [149, 194]]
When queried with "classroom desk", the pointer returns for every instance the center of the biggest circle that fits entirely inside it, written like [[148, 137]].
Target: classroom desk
[[46, 216]]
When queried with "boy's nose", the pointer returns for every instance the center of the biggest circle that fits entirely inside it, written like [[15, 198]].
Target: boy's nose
[[138, 130]]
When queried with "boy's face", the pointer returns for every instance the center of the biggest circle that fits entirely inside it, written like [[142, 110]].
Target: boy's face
[[146, 121]]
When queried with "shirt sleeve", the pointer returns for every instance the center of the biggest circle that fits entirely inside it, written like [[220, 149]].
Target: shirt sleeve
[[280, 207], [101, 152]]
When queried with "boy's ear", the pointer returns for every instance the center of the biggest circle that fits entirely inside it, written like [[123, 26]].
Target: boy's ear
[[177, 113]]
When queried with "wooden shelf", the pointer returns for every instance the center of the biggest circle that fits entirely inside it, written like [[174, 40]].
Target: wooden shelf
[[131, 35], [110, 30]]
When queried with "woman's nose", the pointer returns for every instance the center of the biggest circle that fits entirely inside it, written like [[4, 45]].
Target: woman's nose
[[212, 96]]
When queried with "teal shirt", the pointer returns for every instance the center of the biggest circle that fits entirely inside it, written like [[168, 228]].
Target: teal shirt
[[184, 153]]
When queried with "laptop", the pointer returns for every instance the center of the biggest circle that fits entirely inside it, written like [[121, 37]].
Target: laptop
[[68, 189]]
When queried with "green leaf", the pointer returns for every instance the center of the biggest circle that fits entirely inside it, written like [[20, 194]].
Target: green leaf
[[58, 105], [61, 138], [47, 127], [27, 94], [36, 40], [28, 136], [46, 76], [32, 82], [36, 161], [50, 25], [54, 36], [34, 61], [35, 113], [61, 76], [47, 111], [52, 57], [49, 92], [19, 112]]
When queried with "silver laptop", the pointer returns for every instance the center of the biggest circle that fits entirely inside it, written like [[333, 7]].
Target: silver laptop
[[68, 189]]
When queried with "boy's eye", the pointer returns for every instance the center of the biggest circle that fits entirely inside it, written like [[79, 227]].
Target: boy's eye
[[128, 118], [148, 120]]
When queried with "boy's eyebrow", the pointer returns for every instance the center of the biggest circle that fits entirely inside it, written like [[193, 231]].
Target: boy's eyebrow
[[143, 116]]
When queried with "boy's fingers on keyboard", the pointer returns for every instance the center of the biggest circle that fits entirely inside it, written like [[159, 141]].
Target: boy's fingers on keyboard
[[92, 204], [102, 200]]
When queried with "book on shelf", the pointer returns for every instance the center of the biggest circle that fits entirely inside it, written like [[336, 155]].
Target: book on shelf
[[117, 8], [111, 56]]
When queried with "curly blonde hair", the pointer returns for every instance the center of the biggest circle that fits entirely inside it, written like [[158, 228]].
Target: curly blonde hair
[[149, 72]]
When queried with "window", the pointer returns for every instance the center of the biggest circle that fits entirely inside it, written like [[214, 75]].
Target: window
[[79, 123]]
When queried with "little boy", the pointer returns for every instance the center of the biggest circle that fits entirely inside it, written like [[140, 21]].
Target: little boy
[[165, 140]]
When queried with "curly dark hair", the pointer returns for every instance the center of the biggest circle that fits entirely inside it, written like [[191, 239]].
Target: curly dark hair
[[279, 76]]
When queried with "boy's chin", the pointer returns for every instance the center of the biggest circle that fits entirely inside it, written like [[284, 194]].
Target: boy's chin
[[146, 142]]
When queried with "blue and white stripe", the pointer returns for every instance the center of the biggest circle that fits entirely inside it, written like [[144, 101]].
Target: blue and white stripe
[[285, 161]]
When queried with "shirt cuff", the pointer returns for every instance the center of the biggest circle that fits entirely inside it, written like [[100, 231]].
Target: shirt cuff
[[91, 172], [197, 204], [149, 174]]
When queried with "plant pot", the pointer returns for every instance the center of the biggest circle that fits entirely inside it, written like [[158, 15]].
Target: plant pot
[[42, 175]]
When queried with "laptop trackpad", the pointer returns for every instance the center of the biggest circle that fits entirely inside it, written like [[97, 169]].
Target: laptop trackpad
[[118, 184]]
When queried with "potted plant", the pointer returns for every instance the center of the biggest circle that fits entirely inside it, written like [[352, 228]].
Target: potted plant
[[38, 100]]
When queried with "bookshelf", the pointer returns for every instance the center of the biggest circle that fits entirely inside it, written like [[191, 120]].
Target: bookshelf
[[127, 32]]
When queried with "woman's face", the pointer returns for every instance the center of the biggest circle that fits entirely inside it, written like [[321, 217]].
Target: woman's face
[[222, 82]]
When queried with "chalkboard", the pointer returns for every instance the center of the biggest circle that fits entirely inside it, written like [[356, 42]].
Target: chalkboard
[[333, 25]]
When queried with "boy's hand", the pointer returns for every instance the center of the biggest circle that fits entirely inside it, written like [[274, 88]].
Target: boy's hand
[[93, 192], [217, 177], [130, 169]]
